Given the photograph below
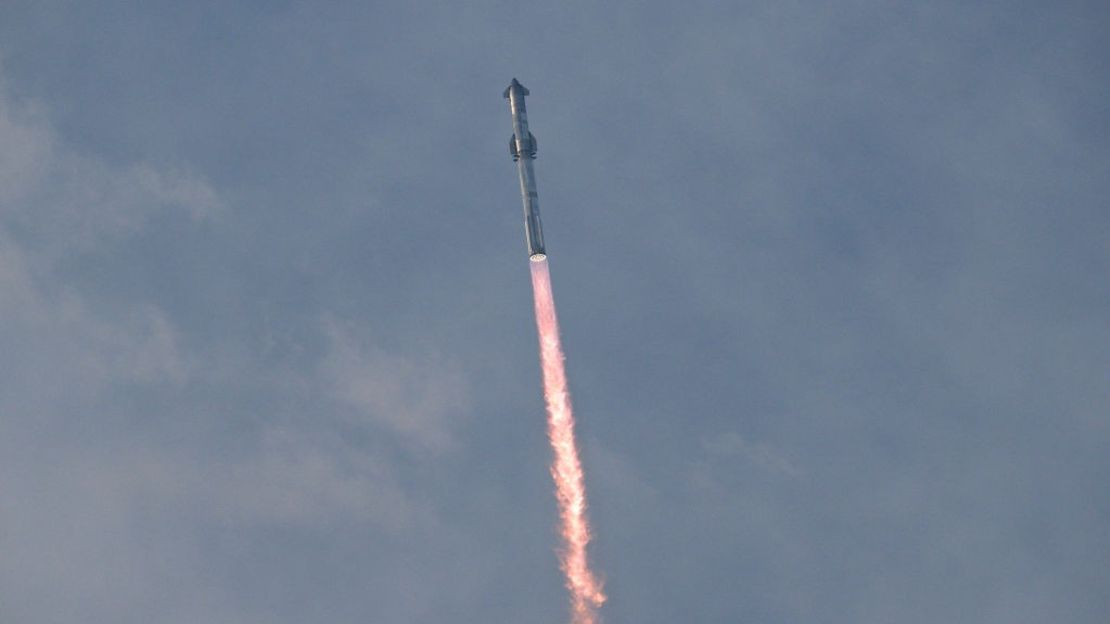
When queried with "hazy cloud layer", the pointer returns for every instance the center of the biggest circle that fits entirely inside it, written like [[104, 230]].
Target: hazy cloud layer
[[415, 396], [830, 279], [109, 518]]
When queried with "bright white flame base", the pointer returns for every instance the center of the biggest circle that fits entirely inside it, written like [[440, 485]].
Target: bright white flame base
[[566, 469]]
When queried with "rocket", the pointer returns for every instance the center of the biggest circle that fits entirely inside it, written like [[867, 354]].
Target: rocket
[[522, 146]]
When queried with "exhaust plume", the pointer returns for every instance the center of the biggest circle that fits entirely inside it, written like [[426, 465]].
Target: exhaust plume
[[566, 468]]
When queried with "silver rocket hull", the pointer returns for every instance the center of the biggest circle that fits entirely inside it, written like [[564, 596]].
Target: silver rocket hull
[[523, 149]]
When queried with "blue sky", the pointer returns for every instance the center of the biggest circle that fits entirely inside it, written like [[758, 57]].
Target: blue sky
[[831, 279]]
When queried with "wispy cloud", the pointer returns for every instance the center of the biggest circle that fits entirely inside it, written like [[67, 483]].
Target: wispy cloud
[[67, 202], [759, 454], [55, 203], [420, 397]]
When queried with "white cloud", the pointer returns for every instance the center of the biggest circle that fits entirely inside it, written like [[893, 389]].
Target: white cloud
[[97, 531], [70, 202], [56, 203], [296, 479], [74, 524], [56, 346], [111, 518], [291, 478], [26, 152], [765, 456], [417, 397]]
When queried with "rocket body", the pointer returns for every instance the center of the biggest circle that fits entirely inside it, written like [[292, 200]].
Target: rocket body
[[522, 146]]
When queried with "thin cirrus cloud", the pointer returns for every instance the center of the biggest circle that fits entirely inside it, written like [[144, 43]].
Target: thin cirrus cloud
[[105, 505]]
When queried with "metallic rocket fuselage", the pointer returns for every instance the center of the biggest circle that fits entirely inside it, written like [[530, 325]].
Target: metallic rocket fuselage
[[523, 149]]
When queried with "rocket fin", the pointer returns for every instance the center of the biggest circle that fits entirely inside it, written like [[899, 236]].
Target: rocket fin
[[515, 82]]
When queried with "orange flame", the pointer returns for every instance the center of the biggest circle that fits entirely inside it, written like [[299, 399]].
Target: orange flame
[[566, 469]]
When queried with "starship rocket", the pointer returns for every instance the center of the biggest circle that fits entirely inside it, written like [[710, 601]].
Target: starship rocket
[[522, 146]]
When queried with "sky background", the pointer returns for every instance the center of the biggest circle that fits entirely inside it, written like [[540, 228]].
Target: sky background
[[832, 279]]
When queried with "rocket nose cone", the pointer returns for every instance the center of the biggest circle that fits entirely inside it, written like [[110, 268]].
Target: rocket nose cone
[[516, 84]]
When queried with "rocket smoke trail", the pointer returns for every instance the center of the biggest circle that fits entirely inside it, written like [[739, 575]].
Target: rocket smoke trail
[[566, 469]]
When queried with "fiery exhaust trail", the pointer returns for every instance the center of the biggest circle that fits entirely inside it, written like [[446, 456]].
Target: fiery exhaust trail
[[566, 469]]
